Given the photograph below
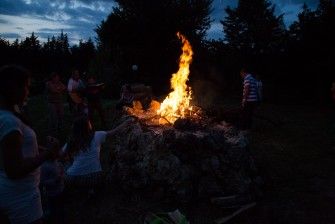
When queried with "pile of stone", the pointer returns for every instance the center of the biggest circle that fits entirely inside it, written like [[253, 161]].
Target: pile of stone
[[210, 160]]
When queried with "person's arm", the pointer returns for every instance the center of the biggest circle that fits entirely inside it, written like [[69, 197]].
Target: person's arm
[[69, 85], [15, 165], [118, 128], [246, 91]]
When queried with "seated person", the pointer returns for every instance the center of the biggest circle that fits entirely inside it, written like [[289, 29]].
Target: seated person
[[126, 97]]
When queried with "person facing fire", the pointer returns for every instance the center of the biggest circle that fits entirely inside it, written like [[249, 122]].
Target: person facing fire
[[250, 99], [93, 96], [84, 147], [20, 156]]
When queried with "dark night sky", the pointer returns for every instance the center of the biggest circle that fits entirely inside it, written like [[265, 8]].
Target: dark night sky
[[78, 18]]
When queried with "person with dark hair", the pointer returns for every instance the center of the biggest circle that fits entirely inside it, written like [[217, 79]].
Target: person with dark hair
[[93, 96], [20, 158], [55, 89], [84, 147], [250, 99]]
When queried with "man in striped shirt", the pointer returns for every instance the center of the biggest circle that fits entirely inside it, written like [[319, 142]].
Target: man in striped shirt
[[250, 99]]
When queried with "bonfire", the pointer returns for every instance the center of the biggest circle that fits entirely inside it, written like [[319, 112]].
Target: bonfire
[[175, 150], [177, 105]]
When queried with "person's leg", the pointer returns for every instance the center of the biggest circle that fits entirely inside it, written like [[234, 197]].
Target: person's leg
[[250, 113], [243, 118], [248, 116]]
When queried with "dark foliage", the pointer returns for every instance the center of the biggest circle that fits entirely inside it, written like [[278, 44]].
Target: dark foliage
[[144, 33], [294, 63], [41, 59]]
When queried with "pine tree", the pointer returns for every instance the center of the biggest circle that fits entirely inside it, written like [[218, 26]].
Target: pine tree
[[62, 43], [253, 26], [144, 32], [31, 43]]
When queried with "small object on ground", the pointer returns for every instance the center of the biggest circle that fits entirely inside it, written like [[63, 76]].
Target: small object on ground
[[237, 212], [227, 201], [232, 201], [175, 217], [96, 85]]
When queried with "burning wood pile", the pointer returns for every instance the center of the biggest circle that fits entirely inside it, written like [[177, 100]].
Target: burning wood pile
[[175, 149]]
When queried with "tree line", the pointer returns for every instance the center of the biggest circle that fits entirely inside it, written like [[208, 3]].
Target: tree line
[[294, 62], [54, 55]]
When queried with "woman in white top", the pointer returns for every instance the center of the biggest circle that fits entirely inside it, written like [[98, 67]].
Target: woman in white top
[[20, 199], [84, 148]]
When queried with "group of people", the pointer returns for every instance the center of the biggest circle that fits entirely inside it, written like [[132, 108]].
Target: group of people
[[83, 98], [26, 167]]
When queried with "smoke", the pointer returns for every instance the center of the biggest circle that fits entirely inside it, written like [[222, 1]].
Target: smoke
[[207, 88]]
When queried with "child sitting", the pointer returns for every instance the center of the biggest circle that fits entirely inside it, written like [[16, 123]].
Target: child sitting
[[126, 97]]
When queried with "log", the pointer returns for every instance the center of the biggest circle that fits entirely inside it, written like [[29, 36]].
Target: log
[[239, 211]]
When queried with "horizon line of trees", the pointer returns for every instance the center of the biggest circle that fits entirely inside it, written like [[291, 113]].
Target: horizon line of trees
[[295, 60]]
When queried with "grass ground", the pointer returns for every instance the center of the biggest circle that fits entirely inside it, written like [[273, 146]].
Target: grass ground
[[294, 149]]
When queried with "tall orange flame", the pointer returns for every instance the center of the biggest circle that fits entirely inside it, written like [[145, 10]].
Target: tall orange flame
[[177, 103]]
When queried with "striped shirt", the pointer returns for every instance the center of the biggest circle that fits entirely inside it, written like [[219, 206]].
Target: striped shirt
[[251, 82]]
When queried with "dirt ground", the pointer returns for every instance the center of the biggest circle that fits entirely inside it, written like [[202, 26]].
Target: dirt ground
[[294, 149]]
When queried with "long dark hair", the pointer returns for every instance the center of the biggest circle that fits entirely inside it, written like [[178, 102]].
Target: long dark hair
[[80, 137], [13, 78]]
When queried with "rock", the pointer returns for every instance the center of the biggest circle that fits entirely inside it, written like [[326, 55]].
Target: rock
[[207, 161]]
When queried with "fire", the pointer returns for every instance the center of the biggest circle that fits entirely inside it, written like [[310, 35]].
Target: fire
[[177, 103]]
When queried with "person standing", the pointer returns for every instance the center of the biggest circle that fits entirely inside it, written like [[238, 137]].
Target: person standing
[[93, 96], [20, 159], [250, 99], [55, 89], [75, 87]]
